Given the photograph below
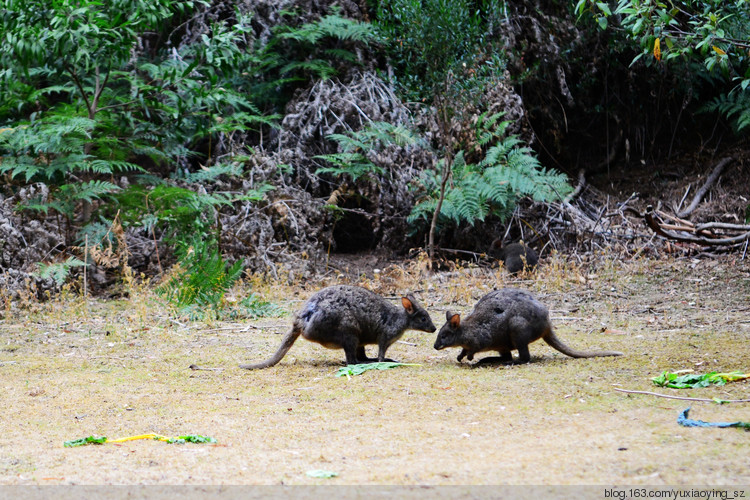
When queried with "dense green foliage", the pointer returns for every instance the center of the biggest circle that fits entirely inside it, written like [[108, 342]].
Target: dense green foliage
[[445, 54], [711, 38], [299, 53], [149, 113], [427, 40], [89, 91], [80, 107]]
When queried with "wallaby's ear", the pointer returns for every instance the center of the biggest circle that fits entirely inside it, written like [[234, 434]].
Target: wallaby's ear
[[408, 304], [455, 320], [448, 315], [497, 244]]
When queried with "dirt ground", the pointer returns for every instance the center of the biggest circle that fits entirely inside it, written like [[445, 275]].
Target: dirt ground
[[73, 368]]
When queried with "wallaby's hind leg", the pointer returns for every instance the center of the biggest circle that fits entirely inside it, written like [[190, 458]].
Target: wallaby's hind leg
[[505, 358], [523, 354], [351, 353], [362, 356]]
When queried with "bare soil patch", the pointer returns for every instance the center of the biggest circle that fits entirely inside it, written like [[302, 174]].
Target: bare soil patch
[[73, 368]]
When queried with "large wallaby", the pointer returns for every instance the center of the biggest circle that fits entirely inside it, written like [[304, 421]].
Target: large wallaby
[[349, 318], [503, 321], [515, 256]]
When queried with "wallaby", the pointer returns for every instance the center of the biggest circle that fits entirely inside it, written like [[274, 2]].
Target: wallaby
[[515, 256], [349, 318], [503, 321]]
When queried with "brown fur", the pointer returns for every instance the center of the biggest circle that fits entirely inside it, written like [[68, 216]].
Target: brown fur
[[503, 321], [349, 318]]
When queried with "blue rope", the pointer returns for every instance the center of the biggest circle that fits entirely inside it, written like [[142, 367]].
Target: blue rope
[[684, 421]]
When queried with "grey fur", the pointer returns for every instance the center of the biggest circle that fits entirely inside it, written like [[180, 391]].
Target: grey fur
[[514, 256], [349, 318], [503, 321]]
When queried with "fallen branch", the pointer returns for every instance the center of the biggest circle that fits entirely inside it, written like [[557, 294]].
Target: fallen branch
[[715, 173], [687, 232], [579, 187], [706, 400]]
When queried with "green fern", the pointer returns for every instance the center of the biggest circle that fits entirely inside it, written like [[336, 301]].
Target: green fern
[[179, 212], [492, 186], [58, 271], [318, 49], [204, 279], [332, 26], [489, 128], [254, 307], [51, 151], [209, 174], [320, 68], [353, 165], [735, 106], [353, 160]]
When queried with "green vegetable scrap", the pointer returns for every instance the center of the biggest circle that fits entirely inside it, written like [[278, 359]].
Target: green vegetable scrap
[[85, 441], [350, 370], [188, 438], [326, 474], [696, 380], [191, 438]]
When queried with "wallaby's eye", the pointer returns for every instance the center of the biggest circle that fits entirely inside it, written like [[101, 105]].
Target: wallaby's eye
[[499, 311]]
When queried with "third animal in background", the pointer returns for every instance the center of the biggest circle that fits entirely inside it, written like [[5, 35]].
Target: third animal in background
[[515, 256], [503, 321]]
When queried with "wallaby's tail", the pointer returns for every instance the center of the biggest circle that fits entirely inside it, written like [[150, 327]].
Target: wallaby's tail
[[286, 344], [556, 343]]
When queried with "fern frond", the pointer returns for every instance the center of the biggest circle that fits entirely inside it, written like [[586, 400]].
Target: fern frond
[[735, 106], [353, 159], [108, 166], [319, 67], [423, 210], [498, 153], [87, 191], [204, 280], [207, 174], [507, 172], [341, 54], [332, 26], [58, 271], [488, 128], [469, 205]]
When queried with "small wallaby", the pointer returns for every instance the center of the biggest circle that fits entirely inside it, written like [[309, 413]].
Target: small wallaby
[[515, 256], [349, 318], [503, 321]]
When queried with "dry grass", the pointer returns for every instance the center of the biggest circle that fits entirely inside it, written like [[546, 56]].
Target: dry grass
[[72, 368]]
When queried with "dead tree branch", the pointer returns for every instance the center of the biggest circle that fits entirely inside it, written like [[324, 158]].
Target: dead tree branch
[[687, 232], [683, 398], [715, 173]]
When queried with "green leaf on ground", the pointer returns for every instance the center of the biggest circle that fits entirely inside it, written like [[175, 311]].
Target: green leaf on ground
[[84, 441], [350, 370], [326, 474], [696, 380]]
